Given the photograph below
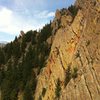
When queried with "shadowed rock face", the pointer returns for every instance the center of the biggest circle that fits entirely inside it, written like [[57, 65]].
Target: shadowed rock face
[[77, 45]]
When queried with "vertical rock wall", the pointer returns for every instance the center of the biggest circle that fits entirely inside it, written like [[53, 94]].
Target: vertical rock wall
[[77, 45]]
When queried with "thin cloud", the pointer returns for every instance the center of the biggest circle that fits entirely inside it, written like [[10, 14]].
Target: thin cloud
[[16, 15], [21, 16], [12, 24], [44, 14], [27, 4]]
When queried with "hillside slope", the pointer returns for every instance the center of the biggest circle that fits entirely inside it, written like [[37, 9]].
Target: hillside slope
[[73, 68], [21, 62], [59, 62]]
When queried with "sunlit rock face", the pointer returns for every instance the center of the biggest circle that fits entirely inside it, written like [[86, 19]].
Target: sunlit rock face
[[76, 45]]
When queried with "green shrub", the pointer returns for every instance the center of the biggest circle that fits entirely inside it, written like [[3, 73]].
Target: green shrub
[[74, 74], [58, 89], [68, 75], [73, 9]]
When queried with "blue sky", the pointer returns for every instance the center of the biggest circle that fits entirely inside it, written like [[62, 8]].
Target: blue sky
[[17, 15]]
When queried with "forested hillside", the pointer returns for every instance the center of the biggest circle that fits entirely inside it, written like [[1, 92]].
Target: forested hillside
[[21, 61], [59, 62]]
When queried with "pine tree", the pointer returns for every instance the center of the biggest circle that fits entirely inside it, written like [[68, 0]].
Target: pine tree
[[2, 57]]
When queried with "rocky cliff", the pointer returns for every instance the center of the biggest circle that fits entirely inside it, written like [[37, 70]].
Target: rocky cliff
[[72, 71]]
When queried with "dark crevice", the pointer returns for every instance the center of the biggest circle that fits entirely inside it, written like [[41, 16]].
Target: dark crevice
[[88, 89], [92, 71], [60, 58]]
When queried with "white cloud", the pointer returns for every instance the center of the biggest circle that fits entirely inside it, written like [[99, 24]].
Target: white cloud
[[5, 17], [51, 14], [12, 23]]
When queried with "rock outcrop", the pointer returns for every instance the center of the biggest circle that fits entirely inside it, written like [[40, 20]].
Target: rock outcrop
[[76, 45]]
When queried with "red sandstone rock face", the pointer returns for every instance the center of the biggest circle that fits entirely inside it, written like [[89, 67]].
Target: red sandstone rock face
[[77, 45]]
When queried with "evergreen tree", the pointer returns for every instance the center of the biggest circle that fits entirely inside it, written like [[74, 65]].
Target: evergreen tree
[[23, 44], [8, 51], [16, 39], [2, 75], [2, 57], [73, 9], [16, 50], [28, 36], [27, 93]]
